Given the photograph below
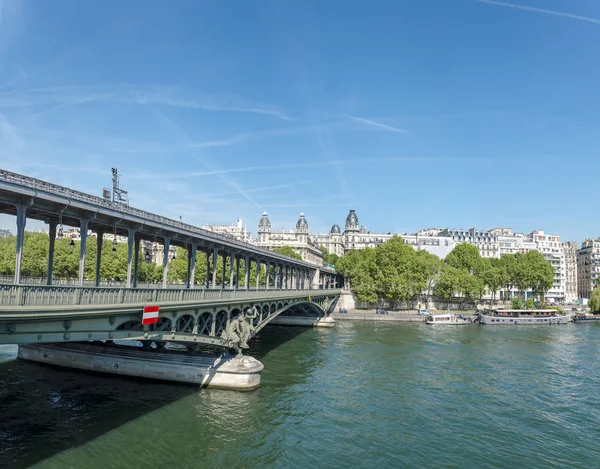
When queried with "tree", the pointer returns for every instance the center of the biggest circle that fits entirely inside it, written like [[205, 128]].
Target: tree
[[538, 273], [594, 302], [288, 251], [466, 256], [494, 278]]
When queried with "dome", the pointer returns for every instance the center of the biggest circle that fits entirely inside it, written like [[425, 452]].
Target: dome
[[335, 229], [363, 230], [352, 221], [264, 224], [302, 225]]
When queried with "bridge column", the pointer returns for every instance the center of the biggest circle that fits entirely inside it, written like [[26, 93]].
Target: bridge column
[[281, 276], [215, 256], [99, 239], [136, 261], [224, 271], [207, 268], [268, 272], [231, 268], [191, 267], [237, 271], [52, 238], [258, 273], [21, 220], [130, 243], [167, 244], [83, 229], [246, 272]]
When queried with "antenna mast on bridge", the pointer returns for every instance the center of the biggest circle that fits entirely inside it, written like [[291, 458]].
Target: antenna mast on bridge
[[118, 195]]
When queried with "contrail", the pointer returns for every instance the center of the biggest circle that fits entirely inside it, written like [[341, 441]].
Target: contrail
[[376, 124], [541, 10]]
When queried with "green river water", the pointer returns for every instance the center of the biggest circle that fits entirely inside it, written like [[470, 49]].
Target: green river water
[[361, 395]]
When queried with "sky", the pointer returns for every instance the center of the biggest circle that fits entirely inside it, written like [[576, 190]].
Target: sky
[[415, 113]]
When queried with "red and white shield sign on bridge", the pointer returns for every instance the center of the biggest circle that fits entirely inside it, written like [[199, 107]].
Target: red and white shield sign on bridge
[[150, 315]]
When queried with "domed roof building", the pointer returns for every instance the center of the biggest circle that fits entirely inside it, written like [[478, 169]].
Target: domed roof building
[[352, 223], [298, 239], [335, 229], [302, 224]]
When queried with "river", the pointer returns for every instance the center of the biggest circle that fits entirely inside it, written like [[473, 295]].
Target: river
[[361, 395]]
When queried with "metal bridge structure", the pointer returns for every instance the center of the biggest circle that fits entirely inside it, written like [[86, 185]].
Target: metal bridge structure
[[37, 314], [32, 314]]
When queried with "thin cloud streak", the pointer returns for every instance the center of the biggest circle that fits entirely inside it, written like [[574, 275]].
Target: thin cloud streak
[[541, 10], [68, 96], [376, 124]]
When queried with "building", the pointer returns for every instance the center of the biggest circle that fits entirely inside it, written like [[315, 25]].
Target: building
[[571, 286], [299, 240], [356, 236], [486, 242], [588, 267], [237, 231], [551, 248]]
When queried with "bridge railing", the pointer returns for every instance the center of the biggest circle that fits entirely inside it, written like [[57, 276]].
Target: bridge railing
[[37, 184], [40, 295]]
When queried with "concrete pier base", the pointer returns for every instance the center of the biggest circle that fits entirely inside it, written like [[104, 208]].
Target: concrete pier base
[[204, 370], [303, 321]]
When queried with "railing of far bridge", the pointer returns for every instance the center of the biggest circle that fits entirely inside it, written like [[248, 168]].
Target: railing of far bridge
[[38, 295]]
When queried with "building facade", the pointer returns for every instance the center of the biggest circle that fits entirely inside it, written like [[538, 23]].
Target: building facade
[[299, 240], [237, 231], [356, 236], [588, 267], [571, 286]]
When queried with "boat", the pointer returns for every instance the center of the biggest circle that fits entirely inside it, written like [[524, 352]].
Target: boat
[[522, 317], [581, 317], [449, 319]]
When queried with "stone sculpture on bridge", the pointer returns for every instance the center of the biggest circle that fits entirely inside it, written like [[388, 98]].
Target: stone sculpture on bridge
[[239, 330]]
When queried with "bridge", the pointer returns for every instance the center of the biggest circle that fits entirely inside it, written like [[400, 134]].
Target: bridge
[[224, 316]]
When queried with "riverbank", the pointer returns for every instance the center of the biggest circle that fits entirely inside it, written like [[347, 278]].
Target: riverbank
[[404, 316]]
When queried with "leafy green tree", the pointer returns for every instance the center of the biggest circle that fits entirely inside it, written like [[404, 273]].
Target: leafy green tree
[[494, 278], [288, 251], [517, 303], [466, 256], [594, 302], [529, 303], [539, 273]]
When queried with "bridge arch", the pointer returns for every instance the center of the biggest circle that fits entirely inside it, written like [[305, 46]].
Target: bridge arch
[[205, 323]]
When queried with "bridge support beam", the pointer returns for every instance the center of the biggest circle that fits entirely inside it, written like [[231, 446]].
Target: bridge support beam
[[207, 267], [52, 239], [136, 261], [231, 269], [224, 271], [99, 239], [246, 272], [130, 243], [191, 267], [268, 274], [83, 229], [21, 221], [215, 256], [167, 244]]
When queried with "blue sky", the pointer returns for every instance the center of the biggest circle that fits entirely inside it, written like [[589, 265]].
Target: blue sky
[[416, 113]]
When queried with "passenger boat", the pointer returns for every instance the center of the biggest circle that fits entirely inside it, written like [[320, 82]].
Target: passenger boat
[[522, 317], [580, 317], [449, 319]]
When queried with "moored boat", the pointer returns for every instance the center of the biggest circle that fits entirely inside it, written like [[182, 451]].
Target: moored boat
[[581, 317], [449, 319], [522, 317]]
